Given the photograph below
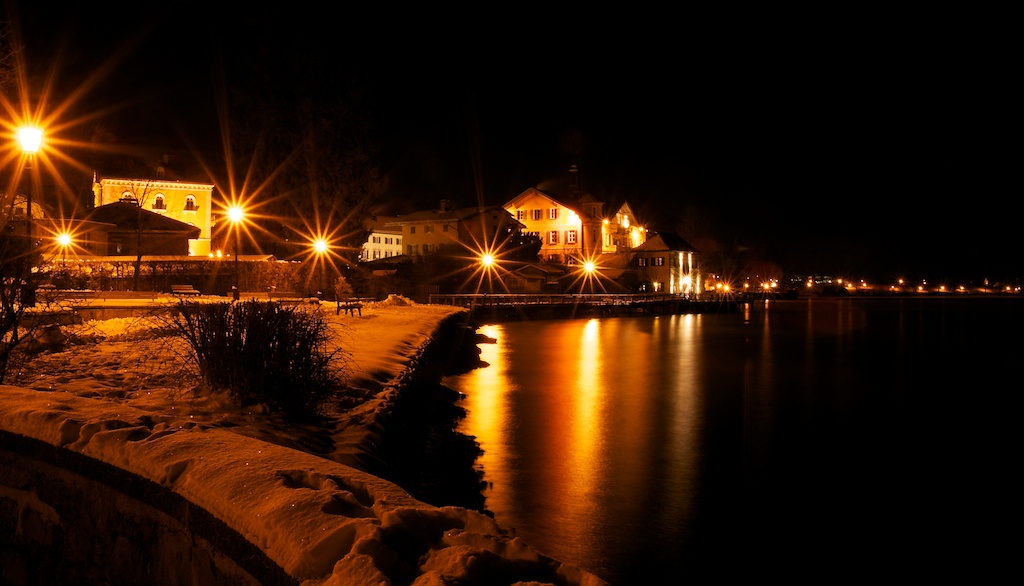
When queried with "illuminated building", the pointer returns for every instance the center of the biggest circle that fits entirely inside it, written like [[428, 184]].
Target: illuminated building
[[453, 231], [384, 239], [665, 263], [187, 202], [575, 230]]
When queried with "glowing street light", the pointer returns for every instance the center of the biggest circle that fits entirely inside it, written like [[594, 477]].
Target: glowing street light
[[31, 139], [236, 215], [320, 247], [64, 240]]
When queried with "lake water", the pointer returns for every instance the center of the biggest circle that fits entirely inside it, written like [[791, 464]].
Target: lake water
[[807, 440]]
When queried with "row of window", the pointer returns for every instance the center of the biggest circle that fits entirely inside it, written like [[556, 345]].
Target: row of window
[[386, 240], [414, 249], [428, 228], [570, 237], [537, 214], [658, 261], [159, 203]]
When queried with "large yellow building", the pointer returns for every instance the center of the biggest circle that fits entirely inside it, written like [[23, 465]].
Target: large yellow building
[[190, 203]]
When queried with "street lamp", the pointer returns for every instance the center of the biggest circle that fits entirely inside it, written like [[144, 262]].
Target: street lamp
[[235, 214], [64, 240], [320, 246], [31, 139]]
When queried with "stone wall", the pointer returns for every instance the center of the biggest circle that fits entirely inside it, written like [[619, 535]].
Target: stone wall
[[69, 519]]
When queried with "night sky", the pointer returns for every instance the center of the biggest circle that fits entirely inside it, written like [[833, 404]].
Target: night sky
[[878, 144]]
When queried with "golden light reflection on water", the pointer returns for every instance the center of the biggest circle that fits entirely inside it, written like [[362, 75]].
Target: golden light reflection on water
[[578, 419], [584, 436], [485, 405]]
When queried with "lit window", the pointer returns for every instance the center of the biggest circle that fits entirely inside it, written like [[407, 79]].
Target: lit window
[[641, 262], [659, 261], [570, 237]]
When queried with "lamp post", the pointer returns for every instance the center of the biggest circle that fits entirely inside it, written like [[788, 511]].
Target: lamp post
[[31, 139], [488, 264], [236, 214], [320, 246], [64, 239]]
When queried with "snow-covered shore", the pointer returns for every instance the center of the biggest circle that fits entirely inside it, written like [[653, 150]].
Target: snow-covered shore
[[299, 494]]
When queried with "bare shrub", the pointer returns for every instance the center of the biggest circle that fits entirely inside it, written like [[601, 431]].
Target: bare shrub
[[263, 353]]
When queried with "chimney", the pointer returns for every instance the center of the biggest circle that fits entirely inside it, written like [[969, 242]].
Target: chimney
[[446, 205], [574, 183]]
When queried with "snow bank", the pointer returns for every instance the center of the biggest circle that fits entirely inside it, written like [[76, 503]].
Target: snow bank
[[322, 522]]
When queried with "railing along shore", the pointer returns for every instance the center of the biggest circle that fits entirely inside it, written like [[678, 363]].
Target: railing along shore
[[542, 306]]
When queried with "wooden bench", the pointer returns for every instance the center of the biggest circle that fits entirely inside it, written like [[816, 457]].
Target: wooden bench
[[350, 306], [184, 290]]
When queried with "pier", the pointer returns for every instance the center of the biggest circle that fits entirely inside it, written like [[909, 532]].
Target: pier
[[525, 306]]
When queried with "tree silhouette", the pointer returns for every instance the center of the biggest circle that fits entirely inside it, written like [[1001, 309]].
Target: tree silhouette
[[8, 61], [307, 142], [140, 194]]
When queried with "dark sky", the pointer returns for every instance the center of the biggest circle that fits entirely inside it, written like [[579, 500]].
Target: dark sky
[[879, 143]]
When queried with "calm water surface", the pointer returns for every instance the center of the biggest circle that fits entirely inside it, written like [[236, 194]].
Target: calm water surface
[[808, 440]]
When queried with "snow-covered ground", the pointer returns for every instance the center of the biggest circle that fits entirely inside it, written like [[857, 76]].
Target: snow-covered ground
[[122, 396]]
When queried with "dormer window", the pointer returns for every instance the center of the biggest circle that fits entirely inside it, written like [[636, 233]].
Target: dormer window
[[190, 203], [159, 203]]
